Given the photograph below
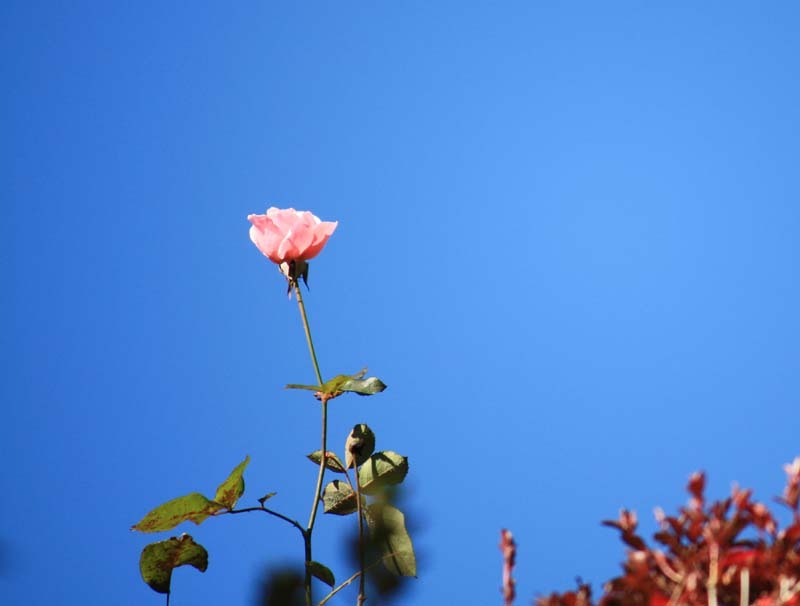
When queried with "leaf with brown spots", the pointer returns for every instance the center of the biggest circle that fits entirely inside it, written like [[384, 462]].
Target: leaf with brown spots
[[192, 507], [233, 487], [158, 560]]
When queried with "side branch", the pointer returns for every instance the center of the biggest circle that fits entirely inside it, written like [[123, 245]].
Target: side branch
[[354, 576], [271, 512]]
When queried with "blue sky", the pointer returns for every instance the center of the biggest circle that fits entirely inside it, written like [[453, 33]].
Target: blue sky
[[567, 242]]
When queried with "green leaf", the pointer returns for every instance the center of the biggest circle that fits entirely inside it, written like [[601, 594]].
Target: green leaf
[[359, 445], [266, 498], [363, 387], [382, 469], [323, 573], [193, 507], [339, 499], [341, 383], [332, 386], [299, 386], [388, 528], [158, 560], [233, 487], [332, 462]]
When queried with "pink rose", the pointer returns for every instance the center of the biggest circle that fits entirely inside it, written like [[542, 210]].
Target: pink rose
[[285, 234]]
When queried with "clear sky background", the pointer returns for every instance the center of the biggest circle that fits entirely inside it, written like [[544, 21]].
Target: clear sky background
[[568, 242]]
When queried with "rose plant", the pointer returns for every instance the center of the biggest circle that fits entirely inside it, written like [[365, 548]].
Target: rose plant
[[729, 552], [290, 238]]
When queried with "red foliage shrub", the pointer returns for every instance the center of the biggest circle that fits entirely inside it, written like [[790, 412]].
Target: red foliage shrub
[[703, 559]]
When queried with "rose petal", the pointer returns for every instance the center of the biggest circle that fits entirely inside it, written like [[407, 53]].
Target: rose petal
[[322, 232], [296, 241], [284, 219], [266, 242]]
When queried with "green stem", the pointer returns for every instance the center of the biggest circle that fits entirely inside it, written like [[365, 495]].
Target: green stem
[[307, 577], [362, 596], [354, 576], [302, 307], [321, 475], [313, 516]]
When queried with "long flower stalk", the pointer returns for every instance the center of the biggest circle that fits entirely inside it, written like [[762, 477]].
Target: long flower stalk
[[321, 475]]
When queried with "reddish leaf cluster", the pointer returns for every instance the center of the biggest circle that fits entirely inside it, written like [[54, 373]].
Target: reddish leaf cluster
[[705, 556], [509, 550]]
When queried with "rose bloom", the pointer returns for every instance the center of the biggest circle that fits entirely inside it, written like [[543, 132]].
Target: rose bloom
[[285, 234]]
